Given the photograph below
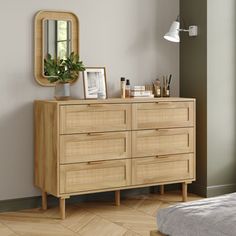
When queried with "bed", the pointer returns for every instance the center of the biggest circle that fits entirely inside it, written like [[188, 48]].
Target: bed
[[208, 217]]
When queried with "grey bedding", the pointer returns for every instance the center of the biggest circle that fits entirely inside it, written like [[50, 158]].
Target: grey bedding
[[207, 217]]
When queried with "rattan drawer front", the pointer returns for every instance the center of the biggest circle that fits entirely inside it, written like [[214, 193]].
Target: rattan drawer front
[[94, 176], [95, 147], [94, 118], [162, 142], [162, 169], [162, 115]]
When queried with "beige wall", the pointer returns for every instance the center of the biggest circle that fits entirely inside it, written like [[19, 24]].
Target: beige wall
[[125, 36]]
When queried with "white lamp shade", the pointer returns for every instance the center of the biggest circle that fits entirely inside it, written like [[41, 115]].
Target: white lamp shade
[[173, 34]]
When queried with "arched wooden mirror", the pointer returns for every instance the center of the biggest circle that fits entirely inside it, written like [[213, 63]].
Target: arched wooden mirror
[[57, 34]]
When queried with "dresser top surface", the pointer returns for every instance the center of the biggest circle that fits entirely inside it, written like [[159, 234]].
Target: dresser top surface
[[118, 100]]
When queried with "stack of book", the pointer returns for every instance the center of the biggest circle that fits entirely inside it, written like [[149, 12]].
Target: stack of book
[[139, 92]]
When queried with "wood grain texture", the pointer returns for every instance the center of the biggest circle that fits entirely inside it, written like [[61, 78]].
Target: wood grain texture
[[46, 147], [95, 147], [39, 143], [185, 191], [5, 231], [162, 142], [119, 101], [117, 197], [156, 233], [103, 227], [162, 115], [91, 191], [44, 200], [94, 175], [136, 216], [94, 118], [62, 208], [38, 39], [162, 169], [162, 189]]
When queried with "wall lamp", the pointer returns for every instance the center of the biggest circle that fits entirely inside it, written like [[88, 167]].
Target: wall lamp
[[173, 33]]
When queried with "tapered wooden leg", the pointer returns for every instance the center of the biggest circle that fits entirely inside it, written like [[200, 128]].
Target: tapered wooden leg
[[185, 192], [62, 208], [162, 189], [117, 197], [44, 200]]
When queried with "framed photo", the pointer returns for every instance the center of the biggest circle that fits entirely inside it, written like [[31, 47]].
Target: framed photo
[[95, 85]]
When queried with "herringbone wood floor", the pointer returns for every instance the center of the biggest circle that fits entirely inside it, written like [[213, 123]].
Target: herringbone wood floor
[[135, 217]]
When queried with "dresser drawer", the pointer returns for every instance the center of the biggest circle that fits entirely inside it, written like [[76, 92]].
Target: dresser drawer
[[94, 176], [94, 118], [163, 169], [95, 147], [162, 115], [162, 142]]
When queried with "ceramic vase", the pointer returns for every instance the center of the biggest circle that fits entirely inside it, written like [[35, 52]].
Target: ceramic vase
[[62, 91]]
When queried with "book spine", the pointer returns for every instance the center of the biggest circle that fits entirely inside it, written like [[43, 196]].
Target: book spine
[[141, 93], [139, 88]]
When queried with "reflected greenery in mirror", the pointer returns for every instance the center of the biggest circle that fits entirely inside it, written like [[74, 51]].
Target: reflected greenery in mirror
[[63, 70], [57, 34], [57, 38]]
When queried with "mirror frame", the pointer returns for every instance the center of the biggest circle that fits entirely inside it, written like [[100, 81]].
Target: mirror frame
[[40, 17]]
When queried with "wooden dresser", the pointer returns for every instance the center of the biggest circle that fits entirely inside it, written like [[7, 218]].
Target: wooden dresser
[[88, 146]]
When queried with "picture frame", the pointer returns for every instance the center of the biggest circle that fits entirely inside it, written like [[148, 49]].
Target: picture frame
[[95, 84]]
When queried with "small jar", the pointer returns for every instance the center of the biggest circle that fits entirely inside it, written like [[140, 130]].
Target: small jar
[[157, 88], [166, 88], [166, 92]]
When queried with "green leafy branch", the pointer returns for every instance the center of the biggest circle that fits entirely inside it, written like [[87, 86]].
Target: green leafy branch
[[63, 70]]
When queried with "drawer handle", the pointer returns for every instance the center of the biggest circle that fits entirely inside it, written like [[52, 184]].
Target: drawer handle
[[164, 103], [161, 157], [94, 134], [95, 162], [95, 105]]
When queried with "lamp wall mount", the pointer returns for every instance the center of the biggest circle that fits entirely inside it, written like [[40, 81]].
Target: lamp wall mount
[[193, 30]]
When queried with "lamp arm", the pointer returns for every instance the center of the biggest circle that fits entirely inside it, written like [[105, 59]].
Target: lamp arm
[[183, 30]]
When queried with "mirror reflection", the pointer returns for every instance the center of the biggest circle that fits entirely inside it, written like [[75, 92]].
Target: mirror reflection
[[57, 38]]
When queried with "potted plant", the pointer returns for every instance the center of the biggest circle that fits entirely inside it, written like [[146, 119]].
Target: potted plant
[[62, 72]]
